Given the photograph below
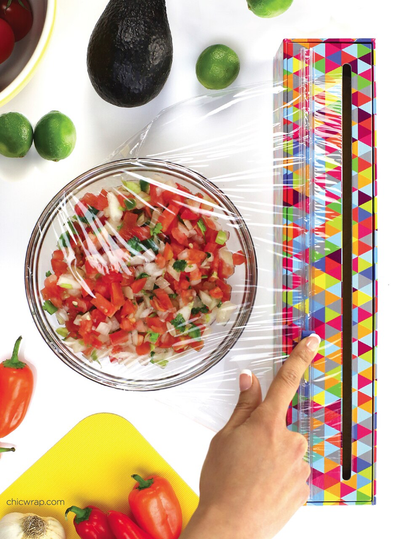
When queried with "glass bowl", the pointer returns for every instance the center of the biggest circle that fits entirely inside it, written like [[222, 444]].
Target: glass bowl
[[134, 375]]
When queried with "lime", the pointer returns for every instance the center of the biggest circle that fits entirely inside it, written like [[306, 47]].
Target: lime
[[269, 8], [16, 135], [55, 136], [217, 67]]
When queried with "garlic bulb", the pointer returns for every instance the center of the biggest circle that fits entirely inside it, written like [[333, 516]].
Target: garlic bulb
[[30, 526]]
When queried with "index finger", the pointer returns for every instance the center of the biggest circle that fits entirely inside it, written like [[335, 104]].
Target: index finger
[[287, 380]]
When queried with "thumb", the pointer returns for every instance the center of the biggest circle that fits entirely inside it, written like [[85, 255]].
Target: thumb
[[250, 398]]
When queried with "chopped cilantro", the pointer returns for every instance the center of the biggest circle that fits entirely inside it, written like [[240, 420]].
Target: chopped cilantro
[[157, 229], [150, 244], [180, 219], [178, 321], [89, 215], [173, 296], [64, 240], [209, 255], [201, 225], [197, 310], [219, 304], [48, 274], [194, 332], [179, 265], [135, 246], [142, 276]]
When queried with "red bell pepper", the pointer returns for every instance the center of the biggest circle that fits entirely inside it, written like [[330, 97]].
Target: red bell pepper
[[155, 507], [91, 522], [124, 528]]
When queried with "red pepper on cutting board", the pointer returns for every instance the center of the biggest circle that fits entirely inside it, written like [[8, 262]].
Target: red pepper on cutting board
[[16, 388], [124, 528], [155, 507], [91, 522]]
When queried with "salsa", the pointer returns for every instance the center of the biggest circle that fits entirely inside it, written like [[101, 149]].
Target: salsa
[[140, 273]]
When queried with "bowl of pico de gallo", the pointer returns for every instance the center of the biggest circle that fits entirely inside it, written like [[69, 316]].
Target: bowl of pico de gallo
[[141, 274]]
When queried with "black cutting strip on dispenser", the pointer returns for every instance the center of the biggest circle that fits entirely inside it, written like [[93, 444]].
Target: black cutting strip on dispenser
[[346, 271]]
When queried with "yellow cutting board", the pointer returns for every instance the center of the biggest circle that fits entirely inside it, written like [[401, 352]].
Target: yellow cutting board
[[92, 465]]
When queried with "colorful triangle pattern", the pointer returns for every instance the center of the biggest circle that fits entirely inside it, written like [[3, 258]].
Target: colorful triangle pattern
[[312, 80]]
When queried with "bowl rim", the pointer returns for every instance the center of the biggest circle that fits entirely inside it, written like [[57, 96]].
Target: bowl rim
[[107, 379], [27, 72]]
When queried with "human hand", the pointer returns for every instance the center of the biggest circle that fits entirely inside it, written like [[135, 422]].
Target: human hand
[[255, 477]]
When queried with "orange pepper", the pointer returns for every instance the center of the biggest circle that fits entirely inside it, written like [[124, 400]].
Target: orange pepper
[[16, 388]]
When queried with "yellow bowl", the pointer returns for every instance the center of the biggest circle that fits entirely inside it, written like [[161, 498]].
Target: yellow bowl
[[17, 70]]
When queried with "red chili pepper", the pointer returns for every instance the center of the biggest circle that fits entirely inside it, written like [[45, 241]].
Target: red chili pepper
[[16, 388], [155, 507], [124, 528], [91, 522]]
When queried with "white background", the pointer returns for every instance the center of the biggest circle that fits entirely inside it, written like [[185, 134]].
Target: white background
[[62, 397]]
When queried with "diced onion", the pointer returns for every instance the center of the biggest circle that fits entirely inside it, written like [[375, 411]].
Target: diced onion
[[225, 311], [104, 328]]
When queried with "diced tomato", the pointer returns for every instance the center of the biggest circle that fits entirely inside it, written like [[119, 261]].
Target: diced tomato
[[209, 223], [102, 201], [226, 289], [138, 285], [128, 308], [104, 305], [119, 337], [128, 324], [190, 215], [168, 252], [59, 267], [102, 288], [179, 236], [78, 305], [156, 324], [211, 247], [97, 317], [239, 258], [72, 328], [87, 286], [195, 275], [187, 296], [85, 327], [58, 255], [112, 277], [167, 341], [176, 248], [140, 339], [195, 256], [160, 261], [117, 296], [127, 279], [225, 270], [162, 301], [197, 345], [216, 293], [143, 349], [168, 216]]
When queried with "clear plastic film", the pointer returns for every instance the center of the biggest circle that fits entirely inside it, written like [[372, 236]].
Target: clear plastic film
[[211, 242]]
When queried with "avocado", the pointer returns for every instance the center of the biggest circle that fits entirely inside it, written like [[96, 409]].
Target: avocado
[[130, 52]]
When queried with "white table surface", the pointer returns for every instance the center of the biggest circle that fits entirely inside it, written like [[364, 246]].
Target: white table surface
[[62, 397]]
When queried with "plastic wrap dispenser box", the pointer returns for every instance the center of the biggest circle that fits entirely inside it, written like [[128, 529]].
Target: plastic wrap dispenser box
[[327, 165]]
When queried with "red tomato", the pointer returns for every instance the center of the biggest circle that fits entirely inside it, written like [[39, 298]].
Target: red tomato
[[239, 258], [119, 336], [138, 285], [6, 41], [143, 349], [117, 296], [103, 305], [19, 15]]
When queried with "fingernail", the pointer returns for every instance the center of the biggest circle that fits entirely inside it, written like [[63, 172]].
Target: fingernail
[[313, 342], [246, 379]]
